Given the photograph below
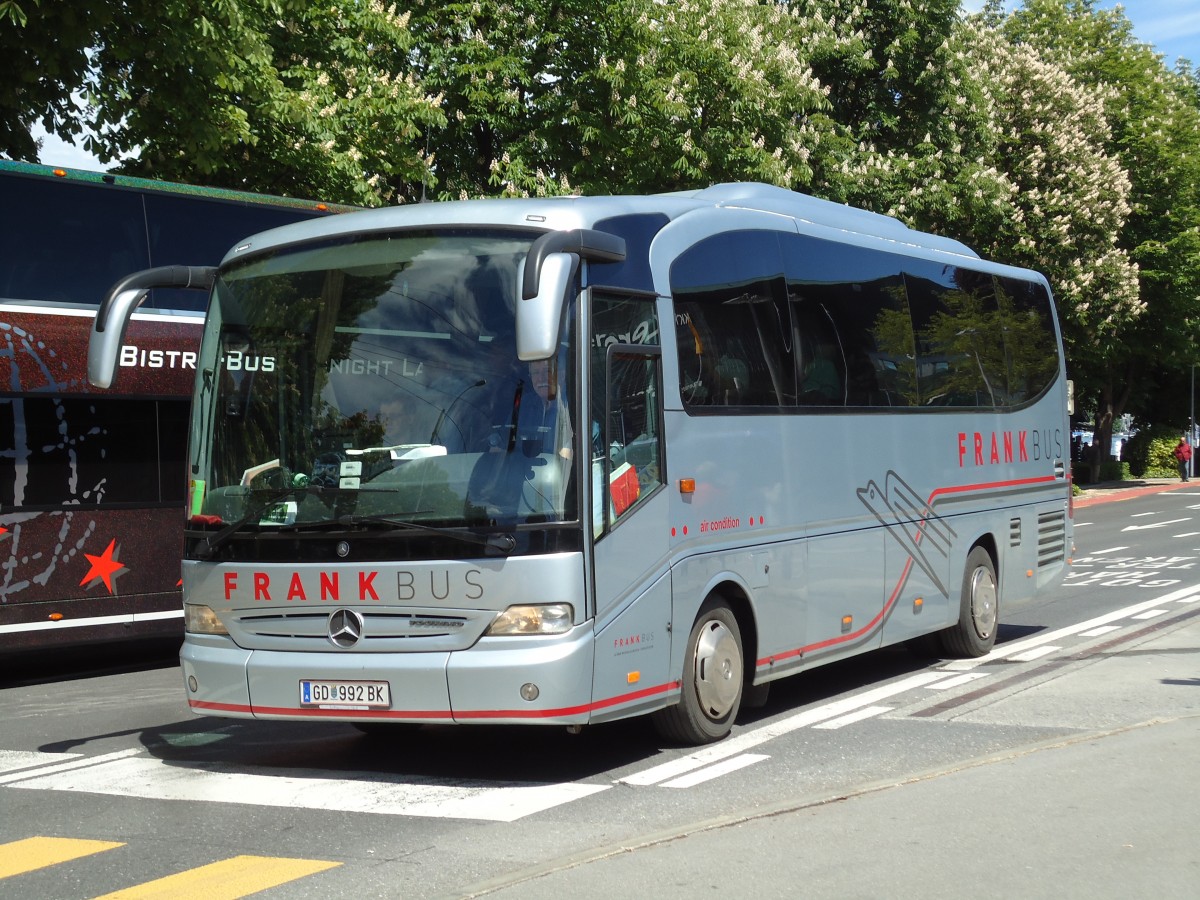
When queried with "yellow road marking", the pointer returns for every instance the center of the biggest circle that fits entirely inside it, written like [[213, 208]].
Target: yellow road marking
[[33, 853], [228, 879]]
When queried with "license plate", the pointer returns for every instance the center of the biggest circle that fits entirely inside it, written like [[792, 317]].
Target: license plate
[[346, 694]]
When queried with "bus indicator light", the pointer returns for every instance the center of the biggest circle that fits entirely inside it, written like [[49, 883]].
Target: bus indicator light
[[60, 173], [56, 617], [633, 677], [687, 486], [918, 604], [847, 624]]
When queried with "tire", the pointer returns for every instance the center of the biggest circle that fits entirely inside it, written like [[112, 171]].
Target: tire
[[979, 609], [713, 679]]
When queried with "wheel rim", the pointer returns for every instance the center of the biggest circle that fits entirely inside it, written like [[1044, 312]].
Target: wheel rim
[[983, 602], [718, 669]]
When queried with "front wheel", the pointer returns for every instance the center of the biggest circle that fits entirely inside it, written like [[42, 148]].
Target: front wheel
[[979, 609], [713, 679]]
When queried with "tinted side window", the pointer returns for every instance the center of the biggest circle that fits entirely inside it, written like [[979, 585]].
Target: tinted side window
[[91, 452], [1030, 347], [852, 333], [731, 323], [189, 231], [956, 323], [66, 242]]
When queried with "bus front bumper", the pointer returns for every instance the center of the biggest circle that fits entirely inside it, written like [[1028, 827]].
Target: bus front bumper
[[544, 679]]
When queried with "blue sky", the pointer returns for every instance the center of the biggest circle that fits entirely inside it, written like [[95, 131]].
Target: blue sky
[[1172, 26]]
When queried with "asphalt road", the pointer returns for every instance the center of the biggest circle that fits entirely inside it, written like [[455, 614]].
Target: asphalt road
[[1060, 765]]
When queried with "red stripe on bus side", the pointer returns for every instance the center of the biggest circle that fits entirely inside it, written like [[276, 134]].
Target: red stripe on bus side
[[877, 620]]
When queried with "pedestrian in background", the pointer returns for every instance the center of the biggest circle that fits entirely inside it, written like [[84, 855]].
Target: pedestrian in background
[[1183, 453]]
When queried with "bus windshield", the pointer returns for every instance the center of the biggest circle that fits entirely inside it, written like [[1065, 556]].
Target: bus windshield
[[374, 381]]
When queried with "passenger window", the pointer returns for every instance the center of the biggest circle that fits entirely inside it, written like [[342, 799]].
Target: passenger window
[[731, 322], [191, 231], [852, 334], [70, 242], [1030, 355], [960, 356]]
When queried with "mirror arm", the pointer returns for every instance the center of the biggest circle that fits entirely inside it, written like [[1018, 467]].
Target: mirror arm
[[589, 244]]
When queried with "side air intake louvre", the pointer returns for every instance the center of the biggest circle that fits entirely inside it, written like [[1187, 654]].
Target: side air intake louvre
[[1052, 538]]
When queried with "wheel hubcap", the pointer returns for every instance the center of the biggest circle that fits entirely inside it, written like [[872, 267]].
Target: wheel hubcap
[[718, 670], [983, 602]]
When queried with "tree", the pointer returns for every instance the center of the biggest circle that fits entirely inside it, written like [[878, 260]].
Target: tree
[[543, 96], [277, 96], [1153, 119]]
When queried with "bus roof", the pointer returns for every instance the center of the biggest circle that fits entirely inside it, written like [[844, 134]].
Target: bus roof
[[565, 213], [82, 176]]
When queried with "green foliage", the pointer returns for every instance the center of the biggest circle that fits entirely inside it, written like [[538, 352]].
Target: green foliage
[[1151, 453]]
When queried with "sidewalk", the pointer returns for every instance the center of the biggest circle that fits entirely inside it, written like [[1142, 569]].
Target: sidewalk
[[1105, 491]]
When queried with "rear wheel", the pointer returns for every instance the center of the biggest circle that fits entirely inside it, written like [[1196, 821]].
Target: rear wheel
[[979, 609], [713, 679]]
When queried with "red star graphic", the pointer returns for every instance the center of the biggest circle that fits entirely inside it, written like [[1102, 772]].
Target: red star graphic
[[104, 566]]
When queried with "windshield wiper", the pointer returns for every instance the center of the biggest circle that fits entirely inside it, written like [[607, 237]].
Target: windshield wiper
[[497, 544], [210, 544]]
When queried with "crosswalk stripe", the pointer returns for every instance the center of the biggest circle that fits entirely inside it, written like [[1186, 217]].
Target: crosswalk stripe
[[228, 879], [19, 857]]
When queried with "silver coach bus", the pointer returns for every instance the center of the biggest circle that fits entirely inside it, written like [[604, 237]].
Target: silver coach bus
[[569, 460]]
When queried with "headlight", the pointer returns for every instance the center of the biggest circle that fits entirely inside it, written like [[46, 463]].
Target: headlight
[[552, 618], [199, 619]]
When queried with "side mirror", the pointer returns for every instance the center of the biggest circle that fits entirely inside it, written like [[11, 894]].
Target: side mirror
[[118, 306], [549, 267], [539, 318]]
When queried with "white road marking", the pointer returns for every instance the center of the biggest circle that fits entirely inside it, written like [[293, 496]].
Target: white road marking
[[1004, 651], [1141, 515], [77, 762], [1150, 614], [1035, 653], [1103, 629], [14, 760], [366, 792], [730, 765], [1155, 525], [957, 681], [753, 737], [1109, 550], [857, 716]]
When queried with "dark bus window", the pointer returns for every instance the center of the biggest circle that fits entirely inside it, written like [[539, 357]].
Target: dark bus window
[[189, 231], [92, 452], [731, 323], [960, 354], [1030, 348], [68, 243], [852, 334]]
